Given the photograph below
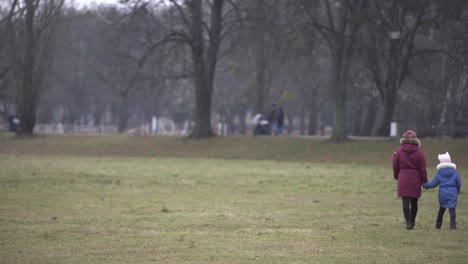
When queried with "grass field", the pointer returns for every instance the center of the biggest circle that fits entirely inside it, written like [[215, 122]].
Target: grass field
[[129, 199]]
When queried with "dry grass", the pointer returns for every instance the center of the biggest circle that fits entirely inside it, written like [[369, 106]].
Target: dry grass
[[260, 148], [80, 199]]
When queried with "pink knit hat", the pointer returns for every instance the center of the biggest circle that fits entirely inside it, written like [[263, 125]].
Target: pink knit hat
[[410, 134], [444, 158]]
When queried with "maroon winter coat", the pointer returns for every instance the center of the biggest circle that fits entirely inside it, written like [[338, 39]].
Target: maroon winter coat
[[409, 168]]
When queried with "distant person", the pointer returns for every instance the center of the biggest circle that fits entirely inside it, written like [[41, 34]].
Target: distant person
[[449, 182], [14, 123], [409, 169], [280, 122], [273, 119], [260, 125]]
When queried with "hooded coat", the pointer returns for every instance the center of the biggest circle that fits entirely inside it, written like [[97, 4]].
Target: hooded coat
[[409, 168], [449, 181]]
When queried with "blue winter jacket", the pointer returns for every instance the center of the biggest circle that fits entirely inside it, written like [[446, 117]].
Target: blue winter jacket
[[449, 182]]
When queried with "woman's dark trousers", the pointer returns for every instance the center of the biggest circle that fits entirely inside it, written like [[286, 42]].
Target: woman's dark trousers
[[410, 210]]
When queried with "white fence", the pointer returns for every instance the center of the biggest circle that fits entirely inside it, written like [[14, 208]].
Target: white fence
[[73, 129], [164, 128]]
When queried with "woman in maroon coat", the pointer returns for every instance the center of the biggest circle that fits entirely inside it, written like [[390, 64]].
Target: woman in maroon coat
[[409, 169]]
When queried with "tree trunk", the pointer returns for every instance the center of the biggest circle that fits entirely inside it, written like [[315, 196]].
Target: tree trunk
[[339, 73], [358, 111], [123, 115], [260, 80], [242, 122], [290, 118], [302, 121], [29, 90], [384, 114], [204, 68], [312, 128], [385, 110], [367, 118], [260, 60]]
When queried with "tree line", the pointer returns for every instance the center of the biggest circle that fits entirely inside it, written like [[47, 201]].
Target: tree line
[[353, 65]]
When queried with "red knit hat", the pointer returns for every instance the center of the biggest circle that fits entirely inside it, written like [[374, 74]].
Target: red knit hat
[[410, 134]]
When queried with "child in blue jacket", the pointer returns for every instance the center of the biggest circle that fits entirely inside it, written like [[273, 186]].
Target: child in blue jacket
[[449, 182]]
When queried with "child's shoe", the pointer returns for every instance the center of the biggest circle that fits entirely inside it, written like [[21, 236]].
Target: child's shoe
[[438, 225], [453, 225]]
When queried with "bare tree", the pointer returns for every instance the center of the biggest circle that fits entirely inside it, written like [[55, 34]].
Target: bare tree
[[269, 30], [7, 15], [388, 47], [132, 44], [339, 29], [33, 45], [440, 80], [204, 39]]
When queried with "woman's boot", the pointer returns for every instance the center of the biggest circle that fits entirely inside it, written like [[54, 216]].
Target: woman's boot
[[438, 225], [409, 225]]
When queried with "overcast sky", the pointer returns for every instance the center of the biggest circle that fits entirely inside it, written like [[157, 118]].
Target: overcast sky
[[87, 2]]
